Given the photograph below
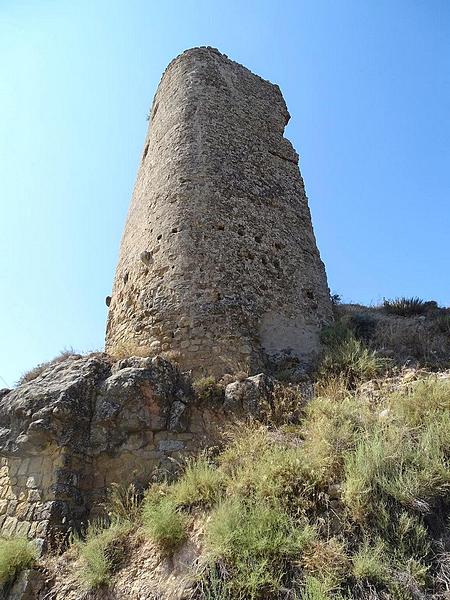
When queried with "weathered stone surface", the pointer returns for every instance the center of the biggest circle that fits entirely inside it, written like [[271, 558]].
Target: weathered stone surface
[[56, 407], [85, 423], [141, 395], [218, 262], [248, 395]]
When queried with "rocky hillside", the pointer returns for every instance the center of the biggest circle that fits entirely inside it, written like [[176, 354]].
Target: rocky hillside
[[326, 485]]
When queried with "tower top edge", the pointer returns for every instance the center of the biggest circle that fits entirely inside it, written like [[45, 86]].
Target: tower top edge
[[204, 51]]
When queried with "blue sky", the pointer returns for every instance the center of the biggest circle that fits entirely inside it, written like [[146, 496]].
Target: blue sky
[[367, 83]]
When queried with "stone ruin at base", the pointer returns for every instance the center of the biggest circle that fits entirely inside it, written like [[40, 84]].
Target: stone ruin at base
[[218, 270]]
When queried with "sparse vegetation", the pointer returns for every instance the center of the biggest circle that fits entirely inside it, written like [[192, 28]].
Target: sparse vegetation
[[338, 501], [164, 522], [102, 552], [39, 369], [123, 503], [405, 307], [207, 389], [16, 554], [348, 357], [128, 349], [344, 495], [350, 498]]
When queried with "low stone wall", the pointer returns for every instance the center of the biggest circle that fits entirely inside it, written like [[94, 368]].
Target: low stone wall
[[86, 423], [26, 494]]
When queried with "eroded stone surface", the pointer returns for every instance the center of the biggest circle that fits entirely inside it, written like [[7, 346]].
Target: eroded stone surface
[[218, 262], [86, 423]]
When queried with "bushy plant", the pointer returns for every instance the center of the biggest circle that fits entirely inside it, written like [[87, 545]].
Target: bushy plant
[[442, 323], [352, 360], [102, 551], [164, 522], [316, 588], [208, 390], [363, 326], [255, 541], [201, 485], [16, 554], [369, 563], [405, 307], [335, 334]]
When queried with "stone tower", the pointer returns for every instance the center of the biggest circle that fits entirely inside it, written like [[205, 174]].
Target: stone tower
[[218, 262]]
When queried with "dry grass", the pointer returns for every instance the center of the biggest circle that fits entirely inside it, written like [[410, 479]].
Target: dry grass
[[129, 349], [421, 339], [39, 369]]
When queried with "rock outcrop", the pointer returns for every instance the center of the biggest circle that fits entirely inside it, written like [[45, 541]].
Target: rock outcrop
[[87, 422]]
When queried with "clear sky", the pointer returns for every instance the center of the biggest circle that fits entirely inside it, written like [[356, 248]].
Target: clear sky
[[367, 83]]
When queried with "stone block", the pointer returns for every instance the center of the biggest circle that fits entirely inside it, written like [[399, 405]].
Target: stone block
[[22, 529], [170, 445], [9, 526]]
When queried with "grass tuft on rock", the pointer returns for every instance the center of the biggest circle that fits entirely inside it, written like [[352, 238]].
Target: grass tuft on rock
[[16, 555], [102, 552], [164, 523]]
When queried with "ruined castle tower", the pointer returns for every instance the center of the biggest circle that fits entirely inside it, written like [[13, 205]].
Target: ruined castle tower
[[218, 262]]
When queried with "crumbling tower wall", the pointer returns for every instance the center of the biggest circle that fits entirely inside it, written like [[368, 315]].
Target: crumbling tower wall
[[218, 262]]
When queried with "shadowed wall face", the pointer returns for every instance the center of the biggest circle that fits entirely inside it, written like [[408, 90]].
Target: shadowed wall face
[[218, 263]]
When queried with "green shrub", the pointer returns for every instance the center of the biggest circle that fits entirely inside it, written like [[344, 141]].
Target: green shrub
[[208, 390], [396, 464], [422, 403], [201, 485], [405, 307], [362, 325], [16, 554], [255, 541], [369, 563], [409, 539], [164, 523], [260, 470], [102, 551], [335, 334], [330, 430], [316, 588], [352, 499], [351, 360]]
